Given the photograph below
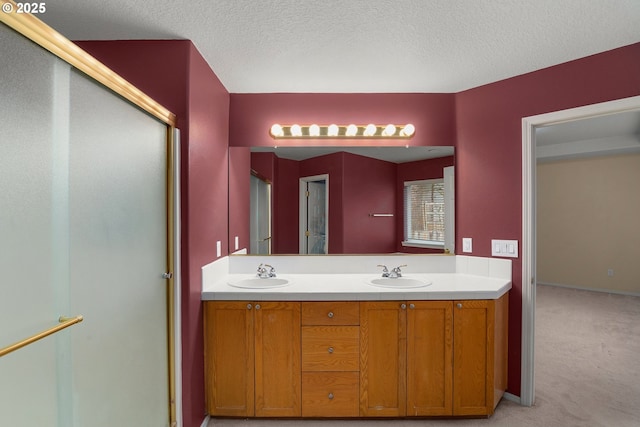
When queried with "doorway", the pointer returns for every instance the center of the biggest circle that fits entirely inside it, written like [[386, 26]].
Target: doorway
[[529, 162], [260, 217], [314, 214]]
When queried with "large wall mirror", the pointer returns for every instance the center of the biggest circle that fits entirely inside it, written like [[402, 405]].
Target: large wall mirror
[[342, 200]]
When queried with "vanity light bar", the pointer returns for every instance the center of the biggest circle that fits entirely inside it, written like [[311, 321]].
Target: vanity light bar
[[333, 131]]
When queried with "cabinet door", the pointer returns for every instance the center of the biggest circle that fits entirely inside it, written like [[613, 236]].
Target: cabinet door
[[383, 359], [277, 363], [429, 358], [229, 358], [473, 369]]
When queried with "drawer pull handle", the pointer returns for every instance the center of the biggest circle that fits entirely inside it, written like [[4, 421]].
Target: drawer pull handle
[[330, 314], [459, 305], [403, 306], [330, 349], [248, 306], [412, 306], [257, 306], [330, 396]]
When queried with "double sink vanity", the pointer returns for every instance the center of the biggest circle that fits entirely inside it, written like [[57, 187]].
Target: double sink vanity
[[343, 336]]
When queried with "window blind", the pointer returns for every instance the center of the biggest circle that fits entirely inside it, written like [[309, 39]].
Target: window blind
[[424, 212]]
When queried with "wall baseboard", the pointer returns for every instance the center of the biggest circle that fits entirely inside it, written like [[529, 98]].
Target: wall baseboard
[[512, 398], [205, 422], [582, 288]]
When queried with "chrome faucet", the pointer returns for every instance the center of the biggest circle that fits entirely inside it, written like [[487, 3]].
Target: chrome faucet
[[396, 272], [385, 270], [266, 271]]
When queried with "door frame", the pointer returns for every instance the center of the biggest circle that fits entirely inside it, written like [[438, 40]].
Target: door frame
[[529, 161], [303, 211]]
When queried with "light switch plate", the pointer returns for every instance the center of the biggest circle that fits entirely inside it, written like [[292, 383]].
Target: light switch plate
[[504, 248], [467, 244], [218, 248], [237, 243]]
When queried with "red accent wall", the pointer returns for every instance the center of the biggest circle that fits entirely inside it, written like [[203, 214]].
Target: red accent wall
[[253, 114], [489, 152], [175, 74], [285, 207], [368, 187], [414, 171]]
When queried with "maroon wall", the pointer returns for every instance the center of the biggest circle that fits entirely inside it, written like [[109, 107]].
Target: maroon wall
[[285, 207], [489, 152], [368, 188], [414, 171], [174, 74], [253, 114]]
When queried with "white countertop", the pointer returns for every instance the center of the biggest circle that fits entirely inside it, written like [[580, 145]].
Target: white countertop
[[354, 287]]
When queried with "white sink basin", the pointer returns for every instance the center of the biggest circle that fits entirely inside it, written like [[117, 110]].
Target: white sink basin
[[399, 282], [258, 283]]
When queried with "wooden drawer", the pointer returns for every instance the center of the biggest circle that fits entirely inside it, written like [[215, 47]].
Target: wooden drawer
[[330, 394], [330, 348], [330, 313]]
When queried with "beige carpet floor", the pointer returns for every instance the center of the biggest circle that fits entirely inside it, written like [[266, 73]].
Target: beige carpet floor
[[587, 369]]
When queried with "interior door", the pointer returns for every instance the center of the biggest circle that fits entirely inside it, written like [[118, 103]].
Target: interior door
[[316, 217]]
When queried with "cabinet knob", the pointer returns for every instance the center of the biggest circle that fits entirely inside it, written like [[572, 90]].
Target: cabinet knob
[[403, 306], [459, 305], [257, 306], [330, 396], [412, 306], [330, 349], [330, 314], [249, 306]]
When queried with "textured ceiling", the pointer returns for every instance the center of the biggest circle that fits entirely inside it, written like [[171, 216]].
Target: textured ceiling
[[362, 45]]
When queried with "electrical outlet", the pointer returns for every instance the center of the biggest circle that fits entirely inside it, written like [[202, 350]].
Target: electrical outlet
[[467, 244]]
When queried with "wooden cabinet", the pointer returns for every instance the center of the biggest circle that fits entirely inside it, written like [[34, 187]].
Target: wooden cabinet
[[229, 358], [429, 358], [330, 359], [383, 359], [480, 355], [432, 358], [252, 358], [355, 359], [277, 360], [406, 360]]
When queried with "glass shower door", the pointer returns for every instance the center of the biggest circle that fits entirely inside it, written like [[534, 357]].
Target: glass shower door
[[29, 299], [83, 230]]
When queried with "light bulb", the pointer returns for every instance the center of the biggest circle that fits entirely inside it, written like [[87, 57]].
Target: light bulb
[[296, 130], [408, 130], [370, 130], [333, 130], [314, 130], [389, 130], [352, 130], [276, 130]]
